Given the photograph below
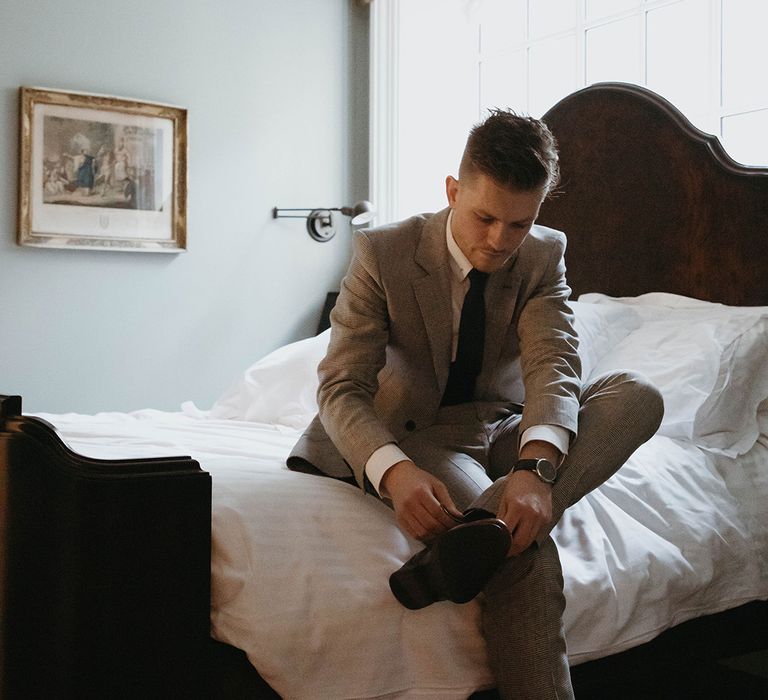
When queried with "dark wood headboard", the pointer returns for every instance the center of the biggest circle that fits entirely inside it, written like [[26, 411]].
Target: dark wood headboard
[[650, 203]]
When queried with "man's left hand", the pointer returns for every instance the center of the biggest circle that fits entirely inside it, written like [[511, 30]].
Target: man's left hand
[[525, 507]]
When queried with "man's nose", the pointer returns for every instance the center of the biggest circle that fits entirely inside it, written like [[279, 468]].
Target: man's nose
[[495, 235]]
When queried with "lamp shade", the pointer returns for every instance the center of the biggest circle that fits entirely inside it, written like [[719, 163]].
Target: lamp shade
[[361, 212]]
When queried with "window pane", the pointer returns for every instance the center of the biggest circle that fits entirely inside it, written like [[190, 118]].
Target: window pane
[[552, 73], [438, 99], [551, 17], [615, 52], [744, 62], [502, 25], [603, 8], [678, 56], [744, 137], [502, 82]]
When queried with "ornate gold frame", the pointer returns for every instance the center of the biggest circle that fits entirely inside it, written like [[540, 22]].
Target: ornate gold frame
[[53, 225]]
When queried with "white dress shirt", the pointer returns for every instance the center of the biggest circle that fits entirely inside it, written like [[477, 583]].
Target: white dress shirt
[[390, 454]]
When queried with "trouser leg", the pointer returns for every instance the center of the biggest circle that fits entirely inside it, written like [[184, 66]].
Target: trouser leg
[[524, 602], [619, 412], [455, 450], [522, 612], [523, 625]]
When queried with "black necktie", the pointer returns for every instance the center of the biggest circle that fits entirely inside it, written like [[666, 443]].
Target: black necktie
[[469, 351]]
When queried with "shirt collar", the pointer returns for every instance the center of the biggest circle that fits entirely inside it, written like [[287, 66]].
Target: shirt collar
[[459, 263]]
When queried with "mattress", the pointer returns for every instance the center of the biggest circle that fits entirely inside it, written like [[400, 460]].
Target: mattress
[[300, 563]]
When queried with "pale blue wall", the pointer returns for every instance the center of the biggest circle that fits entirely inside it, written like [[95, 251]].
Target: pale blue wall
[[274, 119]]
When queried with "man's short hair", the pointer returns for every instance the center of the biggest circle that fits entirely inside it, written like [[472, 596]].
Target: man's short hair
[[514, 150]]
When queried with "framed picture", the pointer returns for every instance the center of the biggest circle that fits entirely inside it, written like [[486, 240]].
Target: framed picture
[[101, 173]]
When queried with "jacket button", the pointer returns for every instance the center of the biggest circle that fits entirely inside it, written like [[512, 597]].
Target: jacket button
[[410, 426]]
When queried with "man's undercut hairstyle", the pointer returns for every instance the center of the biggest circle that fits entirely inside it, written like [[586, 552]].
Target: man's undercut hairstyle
[[515, 151]]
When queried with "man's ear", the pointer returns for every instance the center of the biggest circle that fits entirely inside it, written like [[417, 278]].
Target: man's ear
[[451, 190]]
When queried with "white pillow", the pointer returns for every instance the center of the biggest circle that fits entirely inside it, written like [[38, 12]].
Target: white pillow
[[282, 386], [600, 327], [710, 362], [279, 388]]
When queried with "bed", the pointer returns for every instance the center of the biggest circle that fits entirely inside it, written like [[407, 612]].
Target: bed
[[129, 571]]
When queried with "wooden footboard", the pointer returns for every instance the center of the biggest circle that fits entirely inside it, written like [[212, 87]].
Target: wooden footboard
[[105, 569]]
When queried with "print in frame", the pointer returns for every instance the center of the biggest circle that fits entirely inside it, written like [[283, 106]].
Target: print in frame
[[101, 173]]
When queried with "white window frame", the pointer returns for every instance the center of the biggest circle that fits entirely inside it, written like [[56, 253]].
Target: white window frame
[[384, 84], [384, 105]]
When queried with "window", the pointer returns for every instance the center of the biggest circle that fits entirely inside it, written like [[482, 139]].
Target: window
[[437, 65]]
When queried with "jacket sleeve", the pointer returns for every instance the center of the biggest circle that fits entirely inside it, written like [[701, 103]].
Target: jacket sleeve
[[356, 353], [549, 357]]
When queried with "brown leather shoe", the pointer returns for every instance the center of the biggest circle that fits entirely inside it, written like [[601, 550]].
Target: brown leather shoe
[[455, 567]]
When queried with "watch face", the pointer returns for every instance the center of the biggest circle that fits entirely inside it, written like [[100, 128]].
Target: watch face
[[546, 470]]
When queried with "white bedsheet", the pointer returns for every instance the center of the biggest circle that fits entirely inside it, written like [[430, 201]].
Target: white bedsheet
[[300, 563]]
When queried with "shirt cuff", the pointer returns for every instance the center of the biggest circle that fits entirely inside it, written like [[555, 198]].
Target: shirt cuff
[[553, 434], [380, 461]]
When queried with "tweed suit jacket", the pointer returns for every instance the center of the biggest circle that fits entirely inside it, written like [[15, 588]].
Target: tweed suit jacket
[[391, 335]]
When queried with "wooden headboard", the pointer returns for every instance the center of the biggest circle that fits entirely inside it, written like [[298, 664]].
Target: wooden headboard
[[650, 203]]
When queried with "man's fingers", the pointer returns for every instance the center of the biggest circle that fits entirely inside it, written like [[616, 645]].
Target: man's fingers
[[413, 525], [422, 503], [520, 529], [523, 526], [439, 517], [526, 508], [509, 516], [446, 502], [443, 518], [522, 538], [424, 518]]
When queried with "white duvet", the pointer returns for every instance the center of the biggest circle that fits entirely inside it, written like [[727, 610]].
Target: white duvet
[[300, 563]]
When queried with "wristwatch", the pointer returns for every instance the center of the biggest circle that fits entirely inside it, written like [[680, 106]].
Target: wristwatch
[[542, 468]]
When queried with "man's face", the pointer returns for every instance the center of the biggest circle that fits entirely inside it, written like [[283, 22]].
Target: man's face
[[489, 221]]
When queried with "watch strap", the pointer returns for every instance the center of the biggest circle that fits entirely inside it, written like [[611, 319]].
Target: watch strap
[[533, 466]]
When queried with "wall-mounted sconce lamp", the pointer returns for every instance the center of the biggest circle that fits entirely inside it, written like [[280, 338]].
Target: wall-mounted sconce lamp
[[320, 221]]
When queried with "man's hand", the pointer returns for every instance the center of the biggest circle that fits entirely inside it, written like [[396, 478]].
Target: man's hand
[[418, 499], [525, 507]]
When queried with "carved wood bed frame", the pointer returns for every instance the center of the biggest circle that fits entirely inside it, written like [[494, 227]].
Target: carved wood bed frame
[[105, 565]]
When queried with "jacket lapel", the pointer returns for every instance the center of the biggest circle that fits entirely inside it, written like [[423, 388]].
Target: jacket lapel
[[433, 292]]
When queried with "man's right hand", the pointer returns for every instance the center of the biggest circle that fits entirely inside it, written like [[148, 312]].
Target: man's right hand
[[418, 499]]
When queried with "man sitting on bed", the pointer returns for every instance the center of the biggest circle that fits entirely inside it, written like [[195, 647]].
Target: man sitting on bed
[[445, 324]]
